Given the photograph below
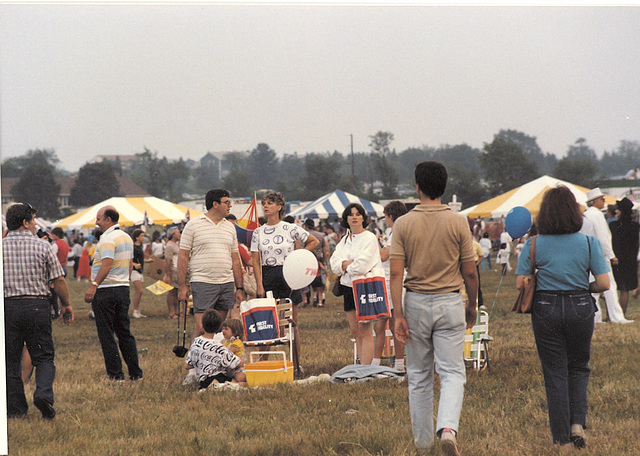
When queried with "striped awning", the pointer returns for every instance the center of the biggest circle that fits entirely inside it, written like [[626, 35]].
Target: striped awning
[[333, 204], [132, 212]]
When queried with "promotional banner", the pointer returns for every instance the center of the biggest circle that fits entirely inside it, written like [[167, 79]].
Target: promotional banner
[[370, 296]]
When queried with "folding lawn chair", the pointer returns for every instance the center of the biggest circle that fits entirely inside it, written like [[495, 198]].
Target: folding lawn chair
[[476, 343], [389, 351], [268, 322]]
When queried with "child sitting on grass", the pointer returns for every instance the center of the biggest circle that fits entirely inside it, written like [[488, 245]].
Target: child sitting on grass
[[232, 333], [212, 360]]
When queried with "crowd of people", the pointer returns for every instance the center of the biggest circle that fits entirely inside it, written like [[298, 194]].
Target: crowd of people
[[430, 259]]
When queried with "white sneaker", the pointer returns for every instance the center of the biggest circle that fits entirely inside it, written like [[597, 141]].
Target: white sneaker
[[137, 314], [190, 379], [92, 315], [448, 443]]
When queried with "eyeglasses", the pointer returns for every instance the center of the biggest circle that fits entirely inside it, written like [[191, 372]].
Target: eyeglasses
[[30, 207]]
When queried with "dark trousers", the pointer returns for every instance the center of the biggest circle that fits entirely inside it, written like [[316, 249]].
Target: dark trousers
[[111, 308], [28, 321], [76, 263], [480, 299], [563, 325]]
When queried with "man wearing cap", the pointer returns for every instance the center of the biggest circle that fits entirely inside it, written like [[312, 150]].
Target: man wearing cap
[[28, 265], [596, 225]]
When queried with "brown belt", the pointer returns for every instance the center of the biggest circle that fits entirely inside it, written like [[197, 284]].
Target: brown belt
[[28, 297]]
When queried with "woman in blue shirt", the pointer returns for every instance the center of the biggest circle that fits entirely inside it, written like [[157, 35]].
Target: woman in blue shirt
[[563, 309]]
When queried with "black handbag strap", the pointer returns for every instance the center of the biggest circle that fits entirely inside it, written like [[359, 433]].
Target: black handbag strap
[[589, 244], [532, 255]]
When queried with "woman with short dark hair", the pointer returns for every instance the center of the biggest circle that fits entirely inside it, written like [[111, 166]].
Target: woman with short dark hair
[[563, 309], [356, 254]]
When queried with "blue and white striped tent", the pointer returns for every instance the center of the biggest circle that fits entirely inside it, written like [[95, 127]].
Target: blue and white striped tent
[[332, 205]]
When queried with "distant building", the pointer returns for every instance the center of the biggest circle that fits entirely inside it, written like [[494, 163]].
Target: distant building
[[128, 188], [220, 160], [126, 161]]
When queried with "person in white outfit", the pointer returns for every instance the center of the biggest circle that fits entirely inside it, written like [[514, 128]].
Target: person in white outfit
[[596, 225]]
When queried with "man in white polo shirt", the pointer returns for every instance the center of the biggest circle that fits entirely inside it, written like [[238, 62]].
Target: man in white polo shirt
[[209, 248]]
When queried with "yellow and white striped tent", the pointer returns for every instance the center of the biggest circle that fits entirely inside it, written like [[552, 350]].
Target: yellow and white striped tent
[[132, 212], [528, 195]]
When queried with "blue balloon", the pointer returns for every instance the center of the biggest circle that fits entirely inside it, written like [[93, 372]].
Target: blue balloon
[[518, 221]]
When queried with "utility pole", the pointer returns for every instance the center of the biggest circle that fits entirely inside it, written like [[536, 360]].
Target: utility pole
[[353, 173]]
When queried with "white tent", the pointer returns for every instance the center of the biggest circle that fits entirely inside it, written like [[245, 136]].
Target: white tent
[[41, 224], [332, 205], [528, 195], [133, 211]]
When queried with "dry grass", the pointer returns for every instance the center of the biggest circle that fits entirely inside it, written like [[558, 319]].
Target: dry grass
[[504, 411]]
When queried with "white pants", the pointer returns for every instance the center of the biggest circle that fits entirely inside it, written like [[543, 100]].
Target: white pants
[[613, 305]]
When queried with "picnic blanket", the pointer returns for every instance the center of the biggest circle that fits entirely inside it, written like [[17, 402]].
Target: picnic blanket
[[365, 372]]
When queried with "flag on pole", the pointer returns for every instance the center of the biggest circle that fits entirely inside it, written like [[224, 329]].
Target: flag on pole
[[145, 220], [247, 223]]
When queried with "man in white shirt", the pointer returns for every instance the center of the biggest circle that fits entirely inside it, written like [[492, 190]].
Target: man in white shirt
[[596, 225], [209, 248]]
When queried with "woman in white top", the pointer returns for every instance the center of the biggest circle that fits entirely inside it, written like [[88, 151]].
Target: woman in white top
[[270, 245], [356, 254]]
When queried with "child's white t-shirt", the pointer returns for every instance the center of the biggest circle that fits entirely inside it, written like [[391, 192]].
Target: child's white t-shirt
[[211, 358]]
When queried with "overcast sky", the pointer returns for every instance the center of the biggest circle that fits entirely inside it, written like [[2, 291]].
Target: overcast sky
[[183, 80]]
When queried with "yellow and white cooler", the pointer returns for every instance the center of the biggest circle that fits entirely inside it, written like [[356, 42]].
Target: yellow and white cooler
[[268, 373]]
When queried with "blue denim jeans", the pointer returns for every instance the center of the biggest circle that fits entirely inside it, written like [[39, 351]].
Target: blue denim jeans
[[111, 308], [28, 321], [487, 260], [563, 325], [436, 330]]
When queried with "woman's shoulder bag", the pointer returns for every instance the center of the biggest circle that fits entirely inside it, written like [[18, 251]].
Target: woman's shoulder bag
[[524, 302]]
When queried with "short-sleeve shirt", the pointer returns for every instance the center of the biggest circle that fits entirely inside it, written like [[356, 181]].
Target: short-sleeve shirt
[[28, 264], [117, 245], [563, 261], [319, 250], [211, 358], [211, 246], [433, 242], [276, 242], [138, 257], [236, 343], [171, 251]]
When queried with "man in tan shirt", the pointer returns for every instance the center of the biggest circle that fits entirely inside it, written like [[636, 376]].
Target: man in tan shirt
[[434, 244]]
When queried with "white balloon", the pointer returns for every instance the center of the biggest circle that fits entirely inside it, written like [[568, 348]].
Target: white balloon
[[300, 268]]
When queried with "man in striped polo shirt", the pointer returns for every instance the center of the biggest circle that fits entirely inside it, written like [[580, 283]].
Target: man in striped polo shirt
[[209, 248], [109, 295]]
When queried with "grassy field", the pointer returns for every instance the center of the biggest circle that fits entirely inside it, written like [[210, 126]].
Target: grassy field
[[504, 410]]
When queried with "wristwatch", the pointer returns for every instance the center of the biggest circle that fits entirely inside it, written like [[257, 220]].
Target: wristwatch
[[93, 282]]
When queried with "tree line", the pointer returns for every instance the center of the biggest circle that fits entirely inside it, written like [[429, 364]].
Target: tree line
[[511, 159]]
